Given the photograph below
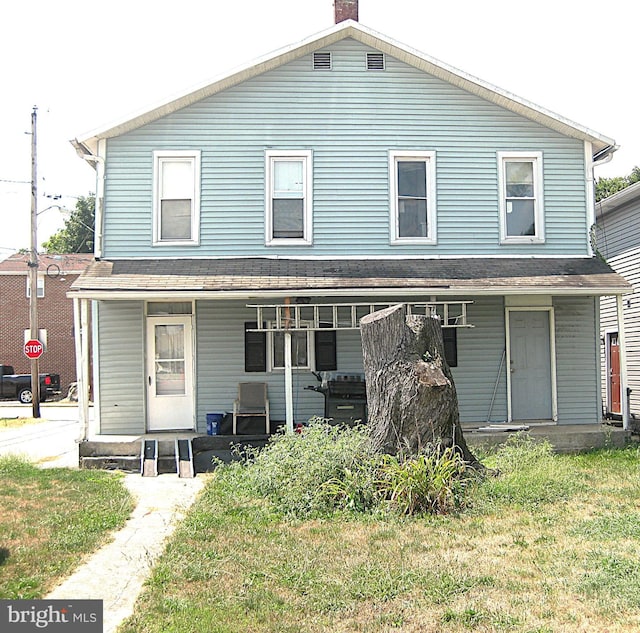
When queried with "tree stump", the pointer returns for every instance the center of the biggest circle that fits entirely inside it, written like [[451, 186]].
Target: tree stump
[[411, 396]]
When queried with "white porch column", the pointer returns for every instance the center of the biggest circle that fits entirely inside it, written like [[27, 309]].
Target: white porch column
[[81, 339], [623, 364], [288, 381]]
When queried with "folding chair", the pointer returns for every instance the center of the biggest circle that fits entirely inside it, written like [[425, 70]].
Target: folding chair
[[252, 401]]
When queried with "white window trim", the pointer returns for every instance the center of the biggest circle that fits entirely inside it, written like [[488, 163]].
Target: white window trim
[[430, 159], [306, 157], [310, 350], [536, 159], [39, 287], [158, 157]]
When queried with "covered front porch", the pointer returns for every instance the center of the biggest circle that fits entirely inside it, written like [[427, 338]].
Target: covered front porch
[[236, 311]]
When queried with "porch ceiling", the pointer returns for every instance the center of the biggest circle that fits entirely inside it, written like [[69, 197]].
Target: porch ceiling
[[263, 277]]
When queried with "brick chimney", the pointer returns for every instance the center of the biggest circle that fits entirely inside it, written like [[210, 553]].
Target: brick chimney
[[346, 10]]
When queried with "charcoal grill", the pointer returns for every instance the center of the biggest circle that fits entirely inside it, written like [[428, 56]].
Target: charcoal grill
[[345, 396]]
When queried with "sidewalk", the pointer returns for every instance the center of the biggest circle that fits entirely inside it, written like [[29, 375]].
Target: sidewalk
[[116, 573]]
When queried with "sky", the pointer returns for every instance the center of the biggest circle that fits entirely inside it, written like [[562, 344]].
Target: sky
[[85, 65]]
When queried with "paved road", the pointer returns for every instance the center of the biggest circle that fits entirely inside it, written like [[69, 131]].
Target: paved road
[[52, 442]]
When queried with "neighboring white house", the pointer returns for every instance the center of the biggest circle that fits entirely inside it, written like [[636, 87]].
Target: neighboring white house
[[618, 241]]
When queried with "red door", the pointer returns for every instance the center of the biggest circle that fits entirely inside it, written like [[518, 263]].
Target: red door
[[614, 374]]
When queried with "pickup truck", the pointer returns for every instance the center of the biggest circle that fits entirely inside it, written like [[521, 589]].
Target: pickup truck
[[18, 386]]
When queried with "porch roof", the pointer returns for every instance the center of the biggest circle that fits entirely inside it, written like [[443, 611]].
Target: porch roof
[[270, 277]]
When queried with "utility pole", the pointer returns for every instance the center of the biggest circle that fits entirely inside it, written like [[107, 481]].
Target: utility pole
[[33, 267]]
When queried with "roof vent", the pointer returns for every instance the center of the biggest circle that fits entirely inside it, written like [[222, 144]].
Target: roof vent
[[375, 61], [322, 61]]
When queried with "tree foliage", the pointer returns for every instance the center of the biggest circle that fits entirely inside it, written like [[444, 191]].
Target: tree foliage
[[606, 187], [78, 233]]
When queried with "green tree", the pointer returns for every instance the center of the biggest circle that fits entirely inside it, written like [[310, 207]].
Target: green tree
[[78, 233], [606, 187]]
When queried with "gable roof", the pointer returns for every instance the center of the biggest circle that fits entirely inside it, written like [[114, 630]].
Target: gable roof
[[602, 145]]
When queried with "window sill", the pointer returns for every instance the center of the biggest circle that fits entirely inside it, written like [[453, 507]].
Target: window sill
[[289, 242], [416, 241], [520, 241], [176, 243]]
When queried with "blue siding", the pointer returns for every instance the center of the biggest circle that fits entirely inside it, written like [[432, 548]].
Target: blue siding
[[577, 360], [121, 367], [350, 118]]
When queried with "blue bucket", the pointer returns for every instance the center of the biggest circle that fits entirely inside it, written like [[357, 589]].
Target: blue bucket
[[214, 420]]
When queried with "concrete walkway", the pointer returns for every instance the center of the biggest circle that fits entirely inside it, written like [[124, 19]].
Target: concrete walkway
[[115, 574]]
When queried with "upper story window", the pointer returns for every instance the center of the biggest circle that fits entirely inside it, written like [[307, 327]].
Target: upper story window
[[413, 197], [40, 287], [176, 197], [288, 197], [521, 204]]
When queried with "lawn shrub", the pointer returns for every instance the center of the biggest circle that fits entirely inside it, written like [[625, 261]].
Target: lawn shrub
[[431, 483], [293, 467], [329, 467]]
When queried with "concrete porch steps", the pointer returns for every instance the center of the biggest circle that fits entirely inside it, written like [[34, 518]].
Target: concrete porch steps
[[127, 454]]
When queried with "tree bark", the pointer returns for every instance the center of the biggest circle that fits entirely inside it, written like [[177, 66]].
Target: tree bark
[[411, 396]]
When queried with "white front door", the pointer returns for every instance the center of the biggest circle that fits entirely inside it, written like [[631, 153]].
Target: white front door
[[169, 373]]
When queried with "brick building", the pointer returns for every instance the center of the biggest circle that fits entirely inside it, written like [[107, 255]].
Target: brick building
[[56, 273]]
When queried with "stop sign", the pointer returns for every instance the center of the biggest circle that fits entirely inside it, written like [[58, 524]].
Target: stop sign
[[33, 348]]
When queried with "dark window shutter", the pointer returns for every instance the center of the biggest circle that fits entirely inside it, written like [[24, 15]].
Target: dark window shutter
[[255, 348], [450, 340], [325, 344]]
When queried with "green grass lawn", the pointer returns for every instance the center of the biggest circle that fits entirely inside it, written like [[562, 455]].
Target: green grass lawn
[[550, 545], [51, 519]]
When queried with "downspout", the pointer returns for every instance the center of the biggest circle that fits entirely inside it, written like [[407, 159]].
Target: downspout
[[624, 400], [98, 164], [99, 211], [591, 161]]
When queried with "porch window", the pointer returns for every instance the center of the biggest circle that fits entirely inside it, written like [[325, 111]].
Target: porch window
[[310, 350], [521, 208], [301, 357], [288, 197], [413, 200], [176, 197]]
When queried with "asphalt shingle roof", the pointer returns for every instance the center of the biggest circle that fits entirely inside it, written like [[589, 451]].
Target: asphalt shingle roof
[[464, 275]]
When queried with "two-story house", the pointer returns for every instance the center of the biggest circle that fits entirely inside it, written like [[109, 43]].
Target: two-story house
[[618, 241], [243, 229]]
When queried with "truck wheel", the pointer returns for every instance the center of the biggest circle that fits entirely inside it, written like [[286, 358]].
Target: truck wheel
[[25, 396]]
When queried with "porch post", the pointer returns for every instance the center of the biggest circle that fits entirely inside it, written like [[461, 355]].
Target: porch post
[[288, 374], [624, 404], [79, 336], [84, 322], [288, 381]]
